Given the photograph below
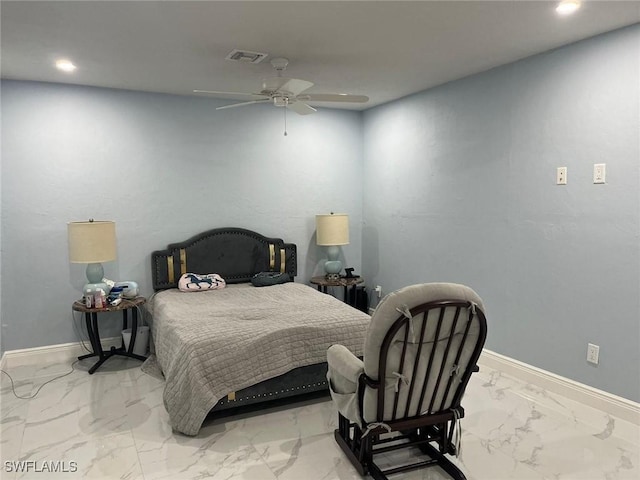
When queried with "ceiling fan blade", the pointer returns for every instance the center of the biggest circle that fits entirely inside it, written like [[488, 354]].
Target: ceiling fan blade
[[234, 105], [273, 84], [333, 97], [244, 94], [301, 108], [295, 86]]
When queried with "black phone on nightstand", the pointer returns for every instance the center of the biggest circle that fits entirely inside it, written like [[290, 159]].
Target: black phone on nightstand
[[349, 273]]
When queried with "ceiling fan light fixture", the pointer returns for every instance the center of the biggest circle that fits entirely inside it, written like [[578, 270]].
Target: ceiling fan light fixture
[[280, 101]]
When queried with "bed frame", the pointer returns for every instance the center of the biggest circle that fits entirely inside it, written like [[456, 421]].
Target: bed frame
[[236, 255]]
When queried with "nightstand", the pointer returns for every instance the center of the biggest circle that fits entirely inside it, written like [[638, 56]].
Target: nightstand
[[323, 283], [91, 319]]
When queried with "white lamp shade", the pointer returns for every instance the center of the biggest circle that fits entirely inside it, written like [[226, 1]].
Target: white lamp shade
[[332, 229], [92, 242]]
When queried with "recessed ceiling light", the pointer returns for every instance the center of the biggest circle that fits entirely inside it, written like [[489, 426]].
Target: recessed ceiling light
[[567, 7], [65, 66]]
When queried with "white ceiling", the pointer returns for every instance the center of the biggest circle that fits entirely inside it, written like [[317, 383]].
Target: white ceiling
[[385, 50]]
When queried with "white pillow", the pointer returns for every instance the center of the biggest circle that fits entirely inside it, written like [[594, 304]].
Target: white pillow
[[192, 282]]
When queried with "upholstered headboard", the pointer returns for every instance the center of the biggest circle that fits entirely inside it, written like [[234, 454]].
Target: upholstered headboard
[[235, 254]]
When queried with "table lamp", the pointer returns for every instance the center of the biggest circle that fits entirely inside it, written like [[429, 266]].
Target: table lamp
[[332, 230], [92, 242]]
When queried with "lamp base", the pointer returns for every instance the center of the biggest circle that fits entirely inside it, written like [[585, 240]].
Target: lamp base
[[333, 266], [332, 276], [95, 274]]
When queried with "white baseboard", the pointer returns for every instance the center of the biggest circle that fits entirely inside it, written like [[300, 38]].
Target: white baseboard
[[607, 402], [64, 352]]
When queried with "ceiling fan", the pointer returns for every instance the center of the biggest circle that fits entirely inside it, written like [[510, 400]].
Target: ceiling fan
[[287, 92]]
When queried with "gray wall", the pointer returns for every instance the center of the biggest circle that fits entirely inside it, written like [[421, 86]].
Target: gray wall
[[163, 168], [460, 187]]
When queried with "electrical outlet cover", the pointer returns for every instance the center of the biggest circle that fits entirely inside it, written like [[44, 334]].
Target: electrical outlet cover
[[599, 172], [561, 176], [593, 353]]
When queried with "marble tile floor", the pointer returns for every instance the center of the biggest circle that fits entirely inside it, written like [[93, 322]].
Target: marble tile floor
[[112, 425]]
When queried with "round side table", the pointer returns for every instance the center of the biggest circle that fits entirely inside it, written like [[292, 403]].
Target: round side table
[[323, 283], [91, 319]]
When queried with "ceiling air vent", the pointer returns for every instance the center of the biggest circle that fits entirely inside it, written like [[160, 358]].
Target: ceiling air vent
[[246, 56]]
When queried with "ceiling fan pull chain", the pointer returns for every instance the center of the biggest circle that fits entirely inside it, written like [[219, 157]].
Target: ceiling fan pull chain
[[286, 104]]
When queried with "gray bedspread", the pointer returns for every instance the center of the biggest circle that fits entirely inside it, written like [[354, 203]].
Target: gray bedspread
[[219, 341]]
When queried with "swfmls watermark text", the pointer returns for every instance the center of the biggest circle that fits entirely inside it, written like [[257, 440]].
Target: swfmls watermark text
[[44, 466]]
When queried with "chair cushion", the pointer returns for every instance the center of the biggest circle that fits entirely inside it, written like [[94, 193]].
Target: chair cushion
[[390, 309], [408, 297]]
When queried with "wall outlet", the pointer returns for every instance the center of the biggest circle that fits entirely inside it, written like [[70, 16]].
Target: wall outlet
[[378, 291], [599, 172], [561, 176], [593, 353]]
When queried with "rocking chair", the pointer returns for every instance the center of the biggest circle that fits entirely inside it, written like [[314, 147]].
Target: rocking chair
[[421, 348]]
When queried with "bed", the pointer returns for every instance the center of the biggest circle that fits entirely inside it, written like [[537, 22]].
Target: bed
[[240, 345]]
